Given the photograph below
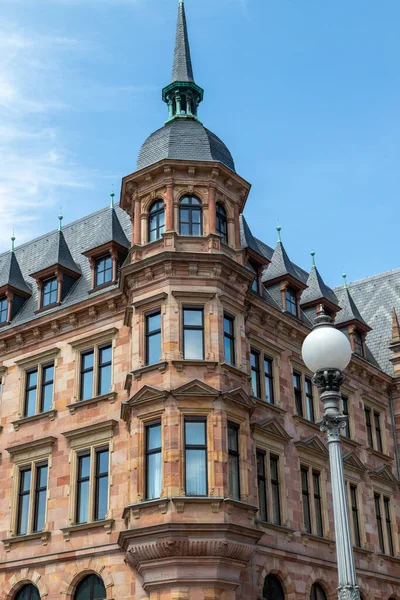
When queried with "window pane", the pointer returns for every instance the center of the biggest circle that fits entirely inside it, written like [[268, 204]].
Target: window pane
[[47, 397], [87, 360], [105, 355], [234, 490], [31, 379], [83, 502], [196, 483], [84, 466], [184, 228], [30, 403], [196, 229], [153, 475], [153, 322], [40, 510], [104, 380], [87, 385], [102, 498], [154, 348], [229, 351], [193, 317], [48, 373], [195, 433], [23, 515], [102, 461], [154, 437], [193, 344]]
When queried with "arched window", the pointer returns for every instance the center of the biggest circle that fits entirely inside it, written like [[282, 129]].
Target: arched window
[[317, 592], [28, 592], [90, 588], [222, 223], [190, 216], [156, 220], [273, 589]]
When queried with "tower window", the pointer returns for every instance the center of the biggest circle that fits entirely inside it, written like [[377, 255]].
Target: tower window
[[190, 216], [222, 223], [156, 220]]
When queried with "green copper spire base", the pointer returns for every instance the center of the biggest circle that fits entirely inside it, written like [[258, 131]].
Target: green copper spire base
[[183, 99]]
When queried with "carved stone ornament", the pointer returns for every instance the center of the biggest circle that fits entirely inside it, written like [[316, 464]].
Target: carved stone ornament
[[329, 380], [349, 592], [332, 424]]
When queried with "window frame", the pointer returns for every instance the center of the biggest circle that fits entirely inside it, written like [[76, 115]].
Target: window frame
[[385, 521], [39, 368], [257, 370], [159, 450], [375, 428], [91, 451], [345, 403], [234, 455], [157, 212], [298, 393], [231, 337], [186, 446], [269, 455], [193, 308], [191, 207], [3, 309], [221, 222], [97, 261], [315, 499], [354, 514], [96, 349], [43, 292], [301, 398], [290, 292], [148, 335], [309, 398]]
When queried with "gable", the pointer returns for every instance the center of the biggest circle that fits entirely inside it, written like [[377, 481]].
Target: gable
[[271, 428], [313, 445]]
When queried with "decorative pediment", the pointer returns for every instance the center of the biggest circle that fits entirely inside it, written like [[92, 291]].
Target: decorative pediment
[[239, 396], [351, 461], [313, 445], [146, 393], [194, 390], [271, 428], [385, 475]]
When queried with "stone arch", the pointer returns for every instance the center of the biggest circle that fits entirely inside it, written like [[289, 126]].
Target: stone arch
[[17, 581], [149, 200], [82, 571], [279, 570], [228, 206], [200, 194], [319, 576]]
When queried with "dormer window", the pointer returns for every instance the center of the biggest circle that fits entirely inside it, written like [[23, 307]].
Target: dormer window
[[291, 301], [49, 292], [222, 223], [358, 343], [190, 216], [3, 310], [103, 270]]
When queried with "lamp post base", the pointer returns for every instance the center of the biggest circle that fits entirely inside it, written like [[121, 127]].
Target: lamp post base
[[349, 592]]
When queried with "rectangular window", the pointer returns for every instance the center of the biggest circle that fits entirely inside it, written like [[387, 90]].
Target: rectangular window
[[368, 424], [196, 457], [153, 337], [103, 270], [354, 516], [345, 411], [291, 301], [269, 379], [193, 333], [379, 525], [306, 499], [298, 393], [229, 339], [92, 485], [358, 344], [31, 512], [317, 504], [233, 453], [255, 373], [254, 285], [386, 504], [3, 310], [378, 433], [262, 487], [153, 460], [49, 292], [309, 399], [39, 387], [95, 372], [276, 502]]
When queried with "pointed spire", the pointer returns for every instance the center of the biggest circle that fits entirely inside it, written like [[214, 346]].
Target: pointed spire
[[12, 241], [11, 275], [312, 258], [112, 200], [60, 218], [281, 266], [349, 308], [395, 327], [182, 69], [317, 291], [279, 232], [344, 281]]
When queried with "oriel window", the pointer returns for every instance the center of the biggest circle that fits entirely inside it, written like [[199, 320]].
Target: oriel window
[[190, 216], [153, 460], [196, 457], [193, 333], [49, 292], [229, 339], [156, 220], [103, 270], [222, 223], [153, 337], [233, 459]]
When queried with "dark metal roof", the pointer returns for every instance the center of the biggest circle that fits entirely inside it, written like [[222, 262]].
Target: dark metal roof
[[281, 265], [316, 289], [10, 273], [106, 228], [78, 236], [182, 69], [57, 253], [184, 139]]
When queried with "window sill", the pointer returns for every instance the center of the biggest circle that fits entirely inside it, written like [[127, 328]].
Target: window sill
[[105, 524], [349, 441], [103, 286], [50, 414], [395, 559], [46, 308], [379, 454], [134, 510], [81, 403], [160, 366], [275, 407], [232, 502], [235, 370], [267, 525], [180, 501], [316, 538], [181, 364], [362, 550], [40, 535], [311, 424]]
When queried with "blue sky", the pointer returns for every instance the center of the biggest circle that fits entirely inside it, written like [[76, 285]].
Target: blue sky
[[305, 93]]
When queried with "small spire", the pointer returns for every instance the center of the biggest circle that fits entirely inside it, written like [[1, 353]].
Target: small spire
[[279, 232], [112, 199], [12, 241], [60, 218], [312, 258], [344, 281]]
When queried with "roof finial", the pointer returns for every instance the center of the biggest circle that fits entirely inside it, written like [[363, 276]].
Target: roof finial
[[279, 232], [60, 218], [112, 198], [344, 280], [12, 241], [312, 257]]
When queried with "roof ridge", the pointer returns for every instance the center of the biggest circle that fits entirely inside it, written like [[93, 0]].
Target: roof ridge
[[370, 277]]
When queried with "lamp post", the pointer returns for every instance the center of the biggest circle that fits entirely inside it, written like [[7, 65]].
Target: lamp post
[[326, 351]]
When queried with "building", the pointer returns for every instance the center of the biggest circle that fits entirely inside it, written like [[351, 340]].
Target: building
[[159, 437]]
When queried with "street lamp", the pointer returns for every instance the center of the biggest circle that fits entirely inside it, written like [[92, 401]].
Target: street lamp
[[326, 351]]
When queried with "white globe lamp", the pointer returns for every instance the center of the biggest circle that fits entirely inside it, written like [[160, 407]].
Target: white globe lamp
[[326, 348]]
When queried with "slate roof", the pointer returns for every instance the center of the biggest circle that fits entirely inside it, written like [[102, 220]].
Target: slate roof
[[317, 289], [349, 310], [10, 273], [375, 298], [182, 68], [281, 265], [184, 139], [57, 253], [106, 228], [78, 236], [247, 240]]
